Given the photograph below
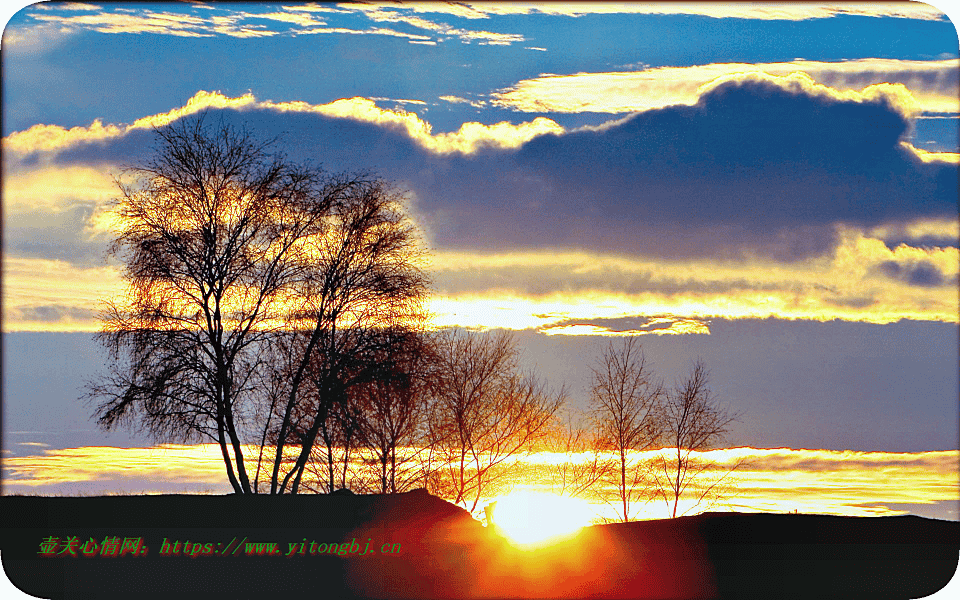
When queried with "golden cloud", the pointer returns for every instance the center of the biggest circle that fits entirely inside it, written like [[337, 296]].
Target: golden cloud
[[847, 285], [54, 138], [54, 189], [554, 292], [466, 140], [788, 11], [656, 326], [51, 295], [928, 86], [177, 24]]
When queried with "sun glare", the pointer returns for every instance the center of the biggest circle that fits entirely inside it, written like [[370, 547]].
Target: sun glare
[[532, 519]]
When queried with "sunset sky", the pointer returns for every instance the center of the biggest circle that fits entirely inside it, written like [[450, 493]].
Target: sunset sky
[[771, 188]]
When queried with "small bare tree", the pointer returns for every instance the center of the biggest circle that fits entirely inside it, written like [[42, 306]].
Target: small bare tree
[[394, 411], [626, 400], [486, 412], [693, 421]]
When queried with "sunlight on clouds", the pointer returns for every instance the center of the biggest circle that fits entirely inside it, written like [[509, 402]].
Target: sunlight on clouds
[[55, 189], [561, 293], [469, 138], [295, 20], [413, 37], [393, 14], [936, 228], [66, 6], [202, 462], [671, 326], [53, 138], [304, 20], [932, 157], [178, 24], [51, 295], [926, 85], [227, 20], [853, 284], [459, 100]]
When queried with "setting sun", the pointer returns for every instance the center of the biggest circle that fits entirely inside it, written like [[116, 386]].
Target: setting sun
[[534, 519]]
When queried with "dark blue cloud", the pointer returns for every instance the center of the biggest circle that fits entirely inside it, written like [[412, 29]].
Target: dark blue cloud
[[750, 154], [922, 273], [753, 166]]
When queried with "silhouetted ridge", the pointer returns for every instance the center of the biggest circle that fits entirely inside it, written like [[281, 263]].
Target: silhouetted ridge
[[415, 545]]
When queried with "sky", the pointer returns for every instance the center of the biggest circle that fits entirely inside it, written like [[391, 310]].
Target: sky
[[771, 188]]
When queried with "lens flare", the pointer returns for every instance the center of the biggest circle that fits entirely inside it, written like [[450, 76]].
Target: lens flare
[[531, 519]]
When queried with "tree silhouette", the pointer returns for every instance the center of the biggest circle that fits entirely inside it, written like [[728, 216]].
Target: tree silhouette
[[394, 412], [210, 237], [582, 465], [693, 421], [485, 413], [364, 277], [625, 400], [246, 274]]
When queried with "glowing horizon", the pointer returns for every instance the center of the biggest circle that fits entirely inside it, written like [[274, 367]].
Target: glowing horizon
[[771, 479]]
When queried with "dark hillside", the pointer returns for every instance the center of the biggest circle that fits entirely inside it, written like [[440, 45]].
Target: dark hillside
[[415, 545]]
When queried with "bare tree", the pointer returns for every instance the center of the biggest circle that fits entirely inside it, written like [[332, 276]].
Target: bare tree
[[250, 278], [394, 414], [372, 439], [626, 400], [486, 412], [211, 235], [693, 421], [365, 277]]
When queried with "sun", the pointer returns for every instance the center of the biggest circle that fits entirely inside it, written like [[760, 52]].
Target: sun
[[531, 519]]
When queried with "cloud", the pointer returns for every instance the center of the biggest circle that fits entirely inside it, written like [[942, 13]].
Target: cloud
[[219, 21], [78, 6], [922, 273], [769, 197], [297, 18], [932, 85], [287, 20], [795, 11], [414, 38], [393, 14], [935, 233], [52, 139], [792, 11], [49, 140], [169, 23], [54, 295], [759, 164], [654, 326], [459, 100], [581, 293]]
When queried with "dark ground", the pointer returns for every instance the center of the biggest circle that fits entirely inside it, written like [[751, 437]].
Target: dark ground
[[444, 553]]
